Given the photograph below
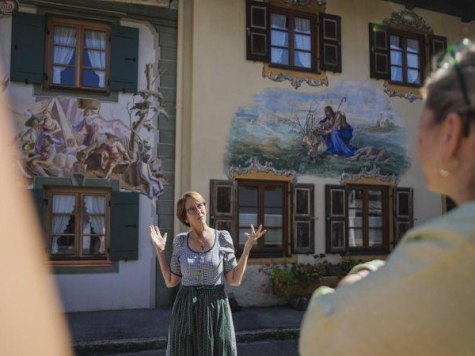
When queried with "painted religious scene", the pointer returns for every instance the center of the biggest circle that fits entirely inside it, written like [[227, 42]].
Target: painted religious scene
[[61, 136], [349, 128]]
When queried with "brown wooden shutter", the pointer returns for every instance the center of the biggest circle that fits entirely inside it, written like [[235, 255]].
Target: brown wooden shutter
[[330, 42], [437, 47], [403, 212], [303, 225], [221, 206], [379, 52], [336, 219], [257, 31]]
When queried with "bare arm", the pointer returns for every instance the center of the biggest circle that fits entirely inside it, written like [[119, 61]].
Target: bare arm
[[234, 276], [159, 241]]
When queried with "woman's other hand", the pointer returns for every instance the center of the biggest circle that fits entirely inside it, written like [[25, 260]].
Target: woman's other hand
[[158, 240], [254, 235]]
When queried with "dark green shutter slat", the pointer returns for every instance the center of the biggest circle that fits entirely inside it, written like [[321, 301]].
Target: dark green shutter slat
[[40, 202], [221, 209], [257, 31], [124, 59], [27, 53], [333, 219], [403, 212], [303, 221], [437, 46], [330, 42], [379, 52], [124, 226]]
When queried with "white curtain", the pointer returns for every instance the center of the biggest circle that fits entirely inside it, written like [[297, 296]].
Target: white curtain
[[95, 205], [303, 41], [63, 204], [96, 43], [64, 47], [396, 59], [279, 36]]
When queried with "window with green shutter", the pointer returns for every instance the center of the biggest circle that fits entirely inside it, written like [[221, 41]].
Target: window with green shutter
[[73, 54]]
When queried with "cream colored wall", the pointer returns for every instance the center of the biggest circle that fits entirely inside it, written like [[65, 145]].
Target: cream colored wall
[[221, 80]]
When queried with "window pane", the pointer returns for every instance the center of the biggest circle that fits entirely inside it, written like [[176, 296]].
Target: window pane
[[94, 58], [93, 78], [95, 204], [279, 38], [396, 74], [93, 225], [355, 199], [64, 204], [375, 199], [303, 59], [280, 56], [95, 39], [273, 237], [243, 238], [413, 60], [62, 224], [302, 25], [355, 221], [355, 238], [63, 75], [412, 46], [272, 217], [93, 245], [413, 76], [396, 57], [273, 197], [303, 42], [375, 221], [248, 196], [279, 22], [63, 245], [395, 42], [247, 216], [375, 238], [65, 36]]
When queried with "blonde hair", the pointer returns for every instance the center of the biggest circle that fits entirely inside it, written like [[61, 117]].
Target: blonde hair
[[443, 92], [181, 205]]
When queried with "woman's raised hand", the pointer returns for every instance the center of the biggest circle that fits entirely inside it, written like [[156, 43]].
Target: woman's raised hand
[[255, 235], [158, 240]]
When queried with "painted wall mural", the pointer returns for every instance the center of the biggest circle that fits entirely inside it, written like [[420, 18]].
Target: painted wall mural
[[347, 128], [60, 136]]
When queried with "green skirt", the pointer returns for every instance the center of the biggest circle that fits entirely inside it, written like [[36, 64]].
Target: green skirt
[[201, 323]]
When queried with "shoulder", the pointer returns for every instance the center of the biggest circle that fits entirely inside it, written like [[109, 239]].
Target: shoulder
[[179, 239], [224, 238]]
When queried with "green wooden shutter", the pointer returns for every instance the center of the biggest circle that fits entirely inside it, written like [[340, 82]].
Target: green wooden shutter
[[40, 204], [257, 31], [379, 52], [437, 47], [330, 42], [221, 205], [303, 219], [27, 53], [124, 58], [403, 212], [124, 226], [336, 223]]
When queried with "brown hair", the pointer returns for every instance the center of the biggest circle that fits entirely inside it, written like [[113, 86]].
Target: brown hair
[[181, 205]]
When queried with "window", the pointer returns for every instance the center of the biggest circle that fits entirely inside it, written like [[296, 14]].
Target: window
[[291, 39], [73, 54], [87, 225], [266, 203], [358, 218], [77, 224], [399, 56], [77, 54]]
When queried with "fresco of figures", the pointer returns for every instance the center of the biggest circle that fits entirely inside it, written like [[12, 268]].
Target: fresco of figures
[[347, 128], [60, 136]]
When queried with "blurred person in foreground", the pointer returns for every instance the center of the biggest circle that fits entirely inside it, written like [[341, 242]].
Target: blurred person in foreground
[[31, 319], [421, 301]]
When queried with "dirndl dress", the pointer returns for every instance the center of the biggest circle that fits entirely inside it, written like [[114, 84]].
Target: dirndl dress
[[201, 322]]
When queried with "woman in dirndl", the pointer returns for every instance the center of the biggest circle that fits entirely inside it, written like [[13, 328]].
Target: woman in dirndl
[[202, 260]]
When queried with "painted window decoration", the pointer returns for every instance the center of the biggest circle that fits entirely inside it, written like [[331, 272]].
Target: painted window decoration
[[349, 128], [401, 57], [78, 53], [293, 40]]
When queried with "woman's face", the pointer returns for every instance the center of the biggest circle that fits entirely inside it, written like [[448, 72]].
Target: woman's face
[[195, 211], [430, 150]]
